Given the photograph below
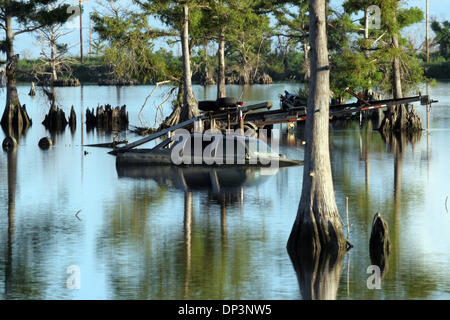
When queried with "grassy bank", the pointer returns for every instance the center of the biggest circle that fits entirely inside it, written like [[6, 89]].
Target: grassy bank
[[439, 70], [95, 69], [92, 69]]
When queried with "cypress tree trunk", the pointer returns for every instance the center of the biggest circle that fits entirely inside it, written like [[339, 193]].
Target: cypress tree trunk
[[14, 116], [208, 77], [190, 108], [398, 92], [246, 72], [398, 118], [221, 91], [317, 225], [53, 56]]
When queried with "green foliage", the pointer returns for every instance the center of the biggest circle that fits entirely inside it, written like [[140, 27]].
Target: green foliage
[[411, 68], [438, 68], [282, 66], [370, 61], [442, 37], [28, 16], [130, 49], [250, 39], [353, 70]]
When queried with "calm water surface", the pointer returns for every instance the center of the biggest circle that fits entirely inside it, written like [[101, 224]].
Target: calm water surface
[[139, 235]]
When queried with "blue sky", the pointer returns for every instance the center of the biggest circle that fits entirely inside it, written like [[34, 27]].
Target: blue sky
[[27, 45]]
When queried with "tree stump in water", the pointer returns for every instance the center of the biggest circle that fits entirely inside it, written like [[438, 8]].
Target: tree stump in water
[[263, 78], [55, 120], [72, 119], [16, 117], [26, 119], [107, 118], [380, 245], [91, 121], [45, 143], [66, 83], [32, 92], [9, 143], [401, 119]]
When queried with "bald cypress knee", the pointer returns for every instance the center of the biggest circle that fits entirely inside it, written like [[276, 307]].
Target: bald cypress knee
[[318, 224]]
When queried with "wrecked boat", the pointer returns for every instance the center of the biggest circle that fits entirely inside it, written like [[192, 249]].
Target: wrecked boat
[[218, 150]]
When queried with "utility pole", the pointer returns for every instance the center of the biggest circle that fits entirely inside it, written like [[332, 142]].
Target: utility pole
[[81, 31], [427, 43], [90, 37]]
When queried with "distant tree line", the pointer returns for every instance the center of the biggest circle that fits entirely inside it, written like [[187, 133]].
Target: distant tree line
[[226, 41]]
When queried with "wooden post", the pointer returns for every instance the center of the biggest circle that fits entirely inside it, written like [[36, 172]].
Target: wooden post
[[427, 41]]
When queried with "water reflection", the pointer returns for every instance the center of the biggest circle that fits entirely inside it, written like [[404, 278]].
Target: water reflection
[[12, 177], [185, 251], [318, 274], [199, 177], [148, 236]]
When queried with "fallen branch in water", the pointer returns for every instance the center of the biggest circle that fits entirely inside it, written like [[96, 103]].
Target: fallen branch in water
[[159, 107], [148, 97]]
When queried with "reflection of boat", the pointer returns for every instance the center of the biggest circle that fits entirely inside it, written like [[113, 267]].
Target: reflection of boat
[[198, 178], [216, 150]]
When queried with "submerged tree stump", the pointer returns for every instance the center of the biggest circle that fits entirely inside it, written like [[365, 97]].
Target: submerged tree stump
[[9, 143], [72, 119], [380, 245], [32, 92], [263, 78], [73, 82], [401, 119], [45, 143], [90, 118], [117, 82], [55, 120], [15, 117], [107, 118]]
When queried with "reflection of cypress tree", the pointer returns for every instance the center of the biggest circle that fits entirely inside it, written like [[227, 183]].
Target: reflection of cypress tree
[[318, 274], [397, 148], [367, 129], [349, 181], [188, 210], [12, 177]]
